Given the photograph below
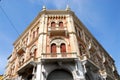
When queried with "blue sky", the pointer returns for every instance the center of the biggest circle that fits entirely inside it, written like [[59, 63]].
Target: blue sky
[[101, 17]]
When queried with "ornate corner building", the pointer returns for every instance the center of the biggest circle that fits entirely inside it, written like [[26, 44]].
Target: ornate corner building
[[57, 46]]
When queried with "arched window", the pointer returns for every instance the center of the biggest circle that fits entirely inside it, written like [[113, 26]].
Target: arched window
[[63, 49], [33, 34], [61, 24], [53, 50], [53, 25], [37, 30], [81, 49], [35, 52]]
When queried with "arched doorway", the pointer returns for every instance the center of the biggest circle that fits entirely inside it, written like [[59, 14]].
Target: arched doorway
[[60, 74]]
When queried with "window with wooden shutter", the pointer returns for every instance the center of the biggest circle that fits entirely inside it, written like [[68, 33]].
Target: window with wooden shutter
[[53, 49], [63, 49], [61, 24], [53, 24]]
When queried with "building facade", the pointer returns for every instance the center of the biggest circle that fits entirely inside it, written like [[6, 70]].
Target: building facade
[[57, 46]]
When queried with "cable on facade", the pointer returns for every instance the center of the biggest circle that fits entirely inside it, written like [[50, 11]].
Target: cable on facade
[[13, 26]]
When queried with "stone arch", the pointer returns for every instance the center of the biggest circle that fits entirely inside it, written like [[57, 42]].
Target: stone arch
[[60, 74], [57, 37], [60, 65], [33, 51], [33, 48], [58, 42]]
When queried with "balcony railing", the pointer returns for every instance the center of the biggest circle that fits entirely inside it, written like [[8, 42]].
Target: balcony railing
[[13, 58], [55, 31], [90, 61], [20, 50], [56, 28], [48, 57], [109, 71], [26, 62]]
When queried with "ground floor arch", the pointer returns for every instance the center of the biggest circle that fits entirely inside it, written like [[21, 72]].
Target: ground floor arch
[[60, 74]]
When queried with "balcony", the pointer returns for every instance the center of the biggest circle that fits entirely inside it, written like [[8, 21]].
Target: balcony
[[65, 57], [13, 58], [57, 31], [21, 50], [7, 77], [30, 61], [109, 72], [90, 62]]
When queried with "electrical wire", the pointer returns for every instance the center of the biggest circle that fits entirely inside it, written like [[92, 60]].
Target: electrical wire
[[13, 26]]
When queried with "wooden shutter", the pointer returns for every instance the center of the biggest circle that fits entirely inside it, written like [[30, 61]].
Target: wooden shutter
[[53, 50], [53, 24], [63, 49], [61, 24]]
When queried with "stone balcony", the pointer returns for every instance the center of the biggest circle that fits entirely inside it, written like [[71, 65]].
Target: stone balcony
[[30, 61], [12, 58], [20, 50], [90, 61], [64, 57], [109, 73], [61, 31]]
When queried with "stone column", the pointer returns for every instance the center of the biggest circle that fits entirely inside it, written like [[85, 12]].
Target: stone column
[[34, 74], [38, 72]]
